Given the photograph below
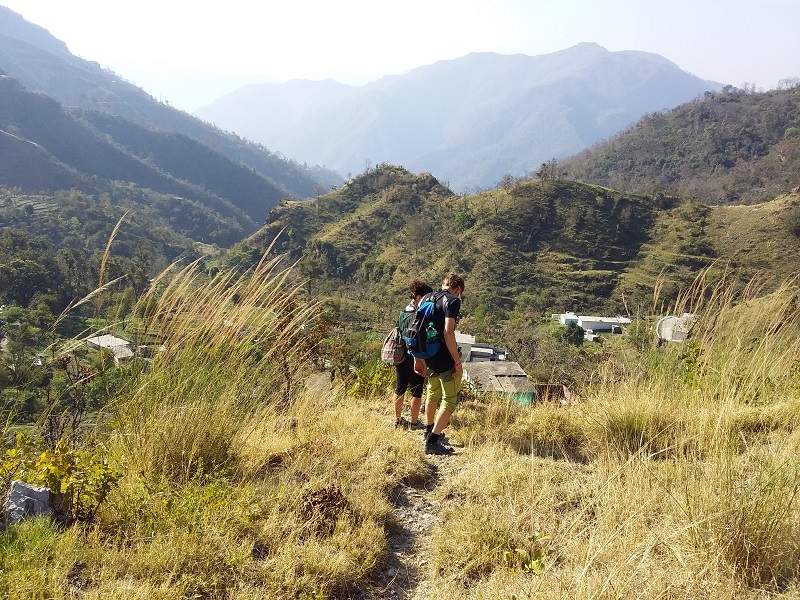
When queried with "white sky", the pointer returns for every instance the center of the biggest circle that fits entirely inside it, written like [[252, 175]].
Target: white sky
[[191, 51]]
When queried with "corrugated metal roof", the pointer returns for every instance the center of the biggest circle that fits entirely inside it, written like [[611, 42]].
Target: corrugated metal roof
[[107, 341], [498, 376]]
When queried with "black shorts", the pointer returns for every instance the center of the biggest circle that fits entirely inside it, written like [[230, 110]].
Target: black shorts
[[408, 379]]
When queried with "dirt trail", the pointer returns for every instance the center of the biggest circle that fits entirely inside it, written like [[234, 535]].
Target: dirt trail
[[406, 574], [417, 513]]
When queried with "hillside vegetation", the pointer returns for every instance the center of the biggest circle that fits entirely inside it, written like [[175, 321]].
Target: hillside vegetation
[[733, 146], [216, 473], [538, 244], [46, 148], [51, 245]]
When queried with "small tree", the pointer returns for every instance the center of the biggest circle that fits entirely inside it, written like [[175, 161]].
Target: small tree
[[507, 182], [572, 334], [549, 171]]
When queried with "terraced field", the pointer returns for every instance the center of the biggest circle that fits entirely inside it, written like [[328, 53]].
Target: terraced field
[[562, 244]]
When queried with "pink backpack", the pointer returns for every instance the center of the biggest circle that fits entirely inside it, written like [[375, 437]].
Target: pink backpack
[[394, 350]]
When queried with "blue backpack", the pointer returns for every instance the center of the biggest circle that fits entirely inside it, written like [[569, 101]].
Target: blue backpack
[[421, 337]]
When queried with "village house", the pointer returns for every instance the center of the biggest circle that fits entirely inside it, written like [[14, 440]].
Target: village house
[[487, 370], [592, 325], [119, 348]]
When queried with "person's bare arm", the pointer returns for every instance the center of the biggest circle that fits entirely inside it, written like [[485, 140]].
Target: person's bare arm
[[450, 342], [419, 367]]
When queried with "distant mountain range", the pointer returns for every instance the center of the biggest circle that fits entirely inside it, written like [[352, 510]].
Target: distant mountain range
[[105, 127], [470, 120], [730, 147]]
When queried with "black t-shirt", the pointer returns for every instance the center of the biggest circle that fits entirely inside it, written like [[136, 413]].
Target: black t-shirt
[[448, 306]]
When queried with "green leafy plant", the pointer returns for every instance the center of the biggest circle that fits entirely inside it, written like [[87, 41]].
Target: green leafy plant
[[572, 334], [80, 480], [372, 378], [529, 560]]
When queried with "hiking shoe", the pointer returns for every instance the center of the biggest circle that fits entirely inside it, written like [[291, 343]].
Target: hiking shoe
[[419, 425], [438, 448], [401, 423]]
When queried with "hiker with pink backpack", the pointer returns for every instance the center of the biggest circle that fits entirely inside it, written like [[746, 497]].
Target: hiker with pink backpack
[[395, 353]]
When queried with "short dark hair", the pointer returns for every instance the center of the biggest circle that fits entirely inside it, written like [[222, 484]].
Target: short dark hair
[[417, 287], [454, 281]]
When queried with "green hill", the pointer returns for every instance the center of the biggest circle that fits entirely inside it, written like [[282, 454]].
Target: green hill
[[188, 160], [27, 165], [547, 245], [44, 148], [51, 244], [728, 147]]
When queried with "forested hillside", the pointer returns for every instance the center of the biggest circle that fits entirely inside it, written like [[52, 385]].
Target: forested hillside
[[44, 64], [45, 148], [734, 146], [541, 244], [51, 246]]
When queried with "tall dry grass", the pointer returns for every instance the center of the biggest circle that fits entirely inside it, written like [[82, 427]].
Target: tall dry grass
[[233, 345], [681, 479], [238, 482]]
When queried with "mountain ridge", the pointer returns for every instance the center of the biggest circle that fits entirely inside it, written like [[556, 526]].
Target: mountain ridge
[[546, 244], [43, 63], [439, 117], [731, 146]]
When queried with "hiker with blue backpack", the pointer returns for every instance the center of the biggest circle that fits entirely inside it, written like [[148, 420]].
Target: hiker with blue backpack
[[431, 340], [396, 353]]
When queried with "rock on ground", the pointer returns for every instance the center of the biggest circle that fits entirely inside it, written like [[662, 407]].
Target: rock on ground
[[26, 501]]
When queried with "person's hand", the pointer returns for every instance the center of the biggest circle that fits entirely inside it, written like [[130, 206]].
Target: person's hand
[[419, 367], [457, 368]]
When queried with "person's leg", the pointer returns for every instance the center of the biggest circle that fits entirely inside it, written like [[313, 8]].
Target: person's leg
[[433, 441], [402, 372], [432, 400], [450, 393], [416, 403], [415, 388], [398, 406], [431, 406]]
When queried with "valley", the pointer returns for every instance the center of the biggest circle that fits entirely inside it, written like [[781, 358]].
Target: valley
[[195, 395]]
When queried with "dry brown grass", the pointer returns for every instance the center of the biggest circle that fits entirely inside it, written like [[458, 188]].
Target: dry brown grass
[[678, 479], [687, 485], [236, 482]]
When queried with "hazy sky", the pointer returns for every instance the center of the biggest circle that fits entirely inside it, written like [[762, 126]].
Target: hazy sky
[[190, 52]]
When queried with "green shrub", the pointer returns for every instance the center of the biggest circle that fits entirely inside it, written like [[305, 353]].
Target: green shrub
[[572, 334], [374, 378], [79, 479]]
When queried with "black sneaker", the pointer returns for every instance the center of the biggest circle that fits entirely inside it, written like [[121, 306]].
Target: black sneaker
[[401, 423], [438, 448], [419, 425]]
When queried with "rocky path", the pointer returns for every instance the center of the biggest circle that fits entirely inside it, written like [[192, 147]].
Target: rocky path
[[407, 572]]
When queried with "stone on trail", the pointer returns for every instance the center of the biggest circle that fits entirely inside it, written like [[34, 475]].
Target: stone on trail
[[26, 501]]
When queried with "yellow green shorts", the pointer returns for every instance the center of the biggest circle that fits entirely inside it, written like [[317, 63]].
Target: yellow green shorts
[[444, 387]]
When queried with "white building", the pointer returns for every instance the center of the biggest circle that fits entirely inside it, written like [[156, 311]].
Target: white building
[[591, 323], [565, 318], [120, 349], [472, 351], [465, 343], [594, 324]]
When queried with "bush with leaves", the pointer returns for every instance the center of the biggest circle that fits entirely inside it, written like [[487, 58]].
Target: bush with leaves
[[572, 334], [79, 480]]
